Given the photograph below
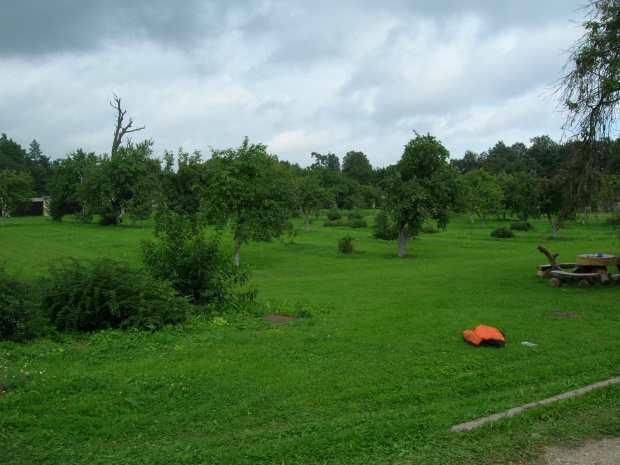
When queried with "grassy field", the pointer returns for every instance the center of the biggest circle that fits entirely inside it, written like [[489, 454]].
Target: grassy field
[[376, 372]]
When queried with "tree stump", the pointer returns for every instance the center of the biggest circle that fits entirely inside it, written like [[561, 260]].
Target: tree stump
[[554, 282], [584, 283]]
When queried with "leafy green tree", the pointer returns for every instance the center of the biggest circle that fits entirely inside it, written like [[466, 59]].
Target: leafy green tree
[[424, 188], [311, 196], [590, 91], [346, 192], [110, 186], [545, 157], [184, 188], [14, 157], [484, 195], [503, 159], [470, 161], [67, 176], [15, 192], [250, 191], [356, 166], [520, 194], [552, 202], [40, 167], [329, 161]]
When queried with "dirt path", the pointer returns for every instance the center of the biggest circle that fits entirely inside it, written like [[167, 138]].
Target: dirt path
[[601, 452]]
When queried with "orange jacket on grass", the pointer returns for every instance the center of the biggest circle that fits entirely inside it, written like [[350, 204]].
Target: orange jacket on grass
[[485, 336]]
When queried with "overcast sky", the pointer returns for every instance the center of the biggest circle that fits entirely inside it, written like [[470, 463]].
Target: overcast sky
[[299, 76]]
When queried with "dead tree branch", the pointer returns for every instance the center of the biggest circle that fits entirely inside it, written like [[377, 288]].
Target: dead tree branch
[[121, 130]]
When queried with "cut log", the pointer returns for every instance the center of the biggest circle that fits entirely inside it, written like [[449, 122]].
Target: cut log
[[566, 276], [584, 283], [564, 266], [605, 278], [546, 274], [550, 256], [615, 277], [554, 282]]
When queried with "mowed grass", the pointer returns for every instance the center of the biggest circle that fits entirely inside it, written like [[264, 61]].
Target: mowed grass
[[376, 373]]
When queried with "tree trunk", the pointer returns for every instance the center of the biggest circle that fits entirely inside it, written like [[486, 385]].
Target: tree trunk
[[471, 218], [133, 222], [3, 218], [307, 221], [237, 250], [403, 239], [482, 220], [555, 227]]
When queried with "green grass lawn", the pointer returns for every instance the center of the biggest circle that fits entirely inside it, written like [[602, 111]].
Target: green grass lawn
[[376, 373]]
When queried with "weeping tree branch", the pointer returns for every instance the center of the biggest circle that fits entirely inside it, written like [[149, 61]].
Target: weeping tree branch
[[589, 92], [121, 130]]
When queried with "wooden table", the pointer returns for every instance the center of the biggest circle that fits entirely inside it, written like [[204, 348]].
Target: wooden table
[[597, 259], [591, 261]]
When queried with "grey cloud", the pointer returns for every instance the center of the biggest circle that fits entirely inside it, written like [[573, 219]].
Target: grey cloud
[[38, 27]]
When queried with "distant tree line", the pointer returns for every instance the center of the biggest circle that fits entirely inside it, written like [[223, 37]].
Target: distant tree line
[[242, 187]]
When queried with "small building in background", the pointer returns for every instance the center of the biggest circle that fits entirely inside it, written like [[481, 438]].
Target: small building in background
[[39, 207]]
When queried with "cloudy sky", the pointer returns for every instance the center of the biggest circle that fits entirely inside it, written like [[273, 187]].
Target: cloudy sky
[[300, 76]]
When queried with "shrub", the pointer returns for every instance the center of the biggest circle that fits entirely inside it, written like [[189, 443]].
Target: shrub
[[502, 233], [354, 215], [334, 215], [384, 227], [345, 244], [288, 235], [19, 319], [105, 294], [193, 263], [522, 226], [108, 219], [428, 229], [613, 220], [83, 217], [359, 223]]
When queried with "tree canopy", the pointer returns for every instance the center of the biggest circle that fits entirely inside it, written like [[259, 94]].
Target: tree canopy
[[424, 188], [250, 191], [15, 191]]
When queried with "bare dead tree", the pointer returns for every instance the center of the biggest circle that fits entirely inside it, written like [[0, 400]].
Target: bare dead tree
[[121, 130]]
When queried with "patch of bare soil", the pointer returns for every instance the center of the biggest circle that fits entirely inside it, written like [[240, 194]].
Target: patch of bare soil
[[602, 452]]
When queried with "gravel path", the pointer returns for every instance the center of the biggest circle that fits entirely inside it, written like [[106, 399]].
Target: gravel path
[[601, 452]]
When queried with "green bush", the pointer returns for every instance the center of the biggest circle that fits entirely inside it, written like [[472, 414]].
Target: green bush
[[613, 220], [334, 215], [105, 294], [354, 215], [108, 219], [428, 229], [502, 233], [359, 223], [193, 263], [384, 227], [522, 226], [19, 319], [345, 244]]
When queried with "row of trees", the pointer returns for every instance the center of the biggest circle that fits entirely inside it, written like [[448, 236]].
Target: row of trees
[[255, 193]]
